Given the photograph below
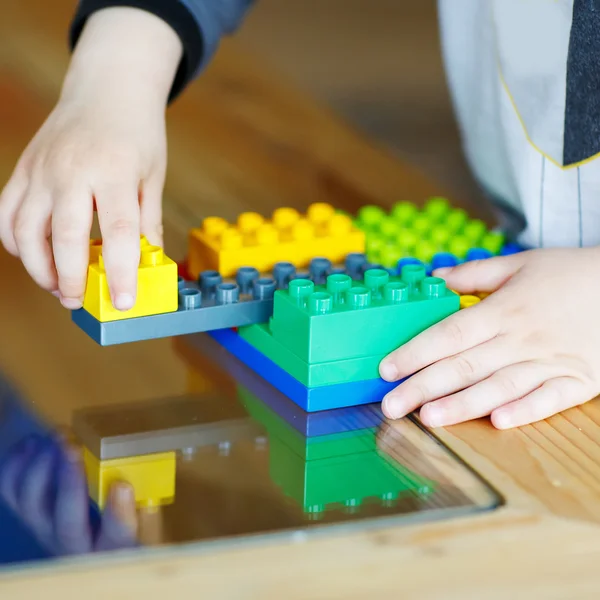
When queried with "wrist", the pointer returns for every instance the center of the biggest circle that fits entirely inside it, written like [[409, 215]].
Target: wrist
[[124, 53]]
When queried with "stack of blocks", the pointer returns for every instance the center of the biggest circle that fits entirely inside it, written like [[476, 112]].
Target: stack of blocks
[[343, 468], [323, 345]]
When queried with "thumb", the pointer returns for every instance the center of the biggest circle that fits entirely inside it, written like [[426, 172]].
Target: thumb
[[481, 275]]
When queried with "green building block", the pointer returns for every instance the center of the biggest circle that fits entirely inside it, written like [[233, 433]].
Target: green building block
[[310, 374], [407, 231], [348, 480], [346, 319], [307, 448]]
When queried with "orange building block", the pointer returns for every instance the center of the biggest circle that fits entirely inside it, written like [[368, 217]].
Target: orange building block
[[258, 242]]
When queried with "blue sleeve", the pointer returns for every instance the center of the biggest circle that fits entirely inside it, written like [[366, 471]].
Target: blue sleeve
[[200, 25]]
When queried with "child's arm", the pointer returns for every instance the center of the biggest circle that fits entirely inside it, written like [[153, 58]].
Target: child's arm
[[105, 142]]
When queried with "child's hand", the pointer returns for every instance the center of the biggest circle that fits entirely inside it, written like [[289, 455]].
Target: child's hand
[[104, 143], [525, 353]]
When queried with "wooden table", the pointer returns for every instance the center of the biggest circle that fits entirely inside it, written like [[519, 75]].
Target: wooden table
[[240, 139]]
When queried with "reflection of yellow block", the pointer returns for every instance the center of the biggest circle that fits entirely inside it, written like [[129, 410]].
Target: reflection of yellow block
[[152, 477], [157, 290], [288, 236]]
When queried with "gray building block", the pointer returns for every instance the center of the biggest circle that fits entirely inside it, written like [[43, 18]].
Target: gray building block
[[212, 303], [163, 425]]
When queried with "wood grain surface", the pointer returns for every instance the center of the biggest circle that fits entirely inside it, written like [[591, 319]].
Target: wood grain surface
[[243, 139]]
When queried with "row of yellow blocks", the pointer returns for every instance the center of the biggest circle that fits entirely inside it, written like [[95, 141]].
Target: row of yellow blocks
[[217, 245], [220, 246]]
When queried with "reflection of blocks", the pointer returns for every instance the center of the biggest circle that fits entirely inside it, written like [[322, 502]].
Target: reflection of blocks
[[310, 399], [152, 477], [287, 236], [343, 468], [346, 319], [157, 285], [308, 424]]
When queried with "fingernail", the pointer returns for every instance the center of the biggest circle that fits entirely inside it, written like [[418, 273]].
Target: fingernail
[[71, 303], [431, 416], [392, 406], [123, 302], [442, 271], [123, 493], [56, 293], [388, 371], [501, 420]]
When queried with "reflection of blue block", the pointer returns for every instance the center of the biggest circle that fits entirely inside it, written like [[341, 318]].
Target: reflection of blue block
[[310, 399], [308, 424]]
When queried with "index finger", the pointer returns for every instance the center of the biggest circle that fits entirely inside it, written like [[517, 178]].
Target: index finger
[[456, 333], [119, 219]]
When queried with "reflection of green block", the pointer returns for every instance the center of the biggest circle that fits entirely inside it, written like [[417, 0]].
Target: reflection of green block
[[308, 448], [347, 319], [348, 479], [409, 231], [344, 468], [310, 374]]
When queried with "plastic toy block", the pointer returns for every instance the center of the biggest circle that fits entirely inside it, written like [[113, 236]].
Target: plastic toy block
[[346, 319], [409, 231], [287, 236], [160, 425], [152, 477], [308, 448], [215, 302], [157, 285], [310, 399], [210, 304], [310, 374], [467, 300], [308, 424], [347, 480]]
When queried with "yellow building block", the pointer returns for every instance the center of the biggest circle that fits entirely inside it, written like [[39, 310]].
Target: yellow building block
[[157, 290], [258, 242], [467, 300], [152, 477]]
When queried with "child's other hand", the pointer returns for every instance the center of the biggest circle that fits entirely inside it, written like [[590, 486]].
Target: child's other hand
[[104, 143], [528, 351]]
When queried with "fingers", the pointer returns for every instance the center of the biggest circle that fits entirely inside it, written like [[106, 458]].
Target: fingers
[[71, 512], [151, 208], [31, 233], [482, 275], [120, 521], [504, 386], [10, 200], [446, 377], [71, 225], [119, 218], [457, 333], [554, 396]]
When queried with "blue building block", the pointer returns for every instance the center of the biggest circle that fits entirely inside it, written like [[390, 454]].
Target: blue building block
[[215, 346], [310, 399], [213, 303]]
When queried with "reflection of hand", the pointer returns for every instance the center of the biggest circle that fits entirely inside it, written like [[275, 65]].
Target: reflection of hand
[[45, 485]]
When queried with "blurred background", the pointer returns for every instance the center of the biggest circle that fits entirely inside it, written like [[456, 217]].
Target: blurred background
[[376, 63]]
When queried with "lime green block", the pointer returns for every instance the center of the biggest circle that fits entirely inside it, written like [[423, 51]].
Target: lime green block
[[308, 448], [347, 319], [348, 480], [310, 374]]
